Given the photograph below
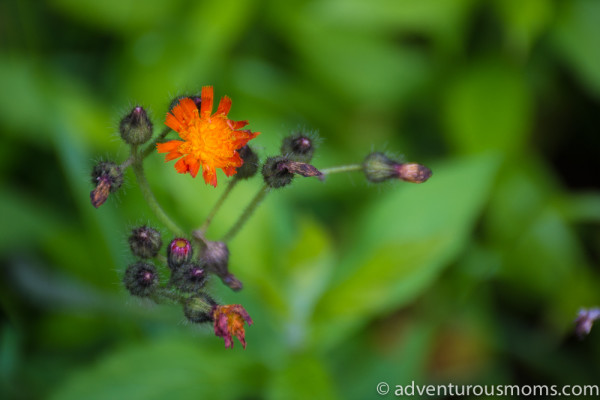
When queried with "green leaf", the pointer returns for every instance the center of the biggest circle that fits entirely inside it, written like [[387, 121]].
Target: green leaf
[[406, 239]]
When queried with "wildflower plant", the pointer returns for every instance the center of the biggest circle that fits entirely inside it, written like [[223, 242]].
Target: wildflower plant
[[207, 142]]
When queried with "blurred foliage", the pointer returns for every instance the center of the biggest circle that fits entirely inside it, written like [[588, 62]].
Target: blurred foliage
[[473, 277]]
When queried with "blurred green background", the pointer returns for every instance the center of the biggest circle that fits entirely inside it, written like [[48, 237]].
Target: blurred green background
[[474, 277]]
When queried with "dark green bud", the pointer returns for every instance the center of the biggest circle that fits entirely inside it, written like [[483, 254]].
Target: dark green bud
[[379, 168], [274, 172], [179, 252], [250, 166], [298, 147], [199, 309], [108, 178], [189, 277], [135, 127], [141, 279], [145, 242]]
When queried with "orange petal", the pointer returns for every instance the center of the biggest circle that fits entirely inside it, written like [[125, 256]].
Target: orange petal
[[193, 165], [172, 155], [181, 166], [230, 171], [207, 100], [241, 138], [169, 146], [209, 174], [183, 115], [235, 125], [224, 106]]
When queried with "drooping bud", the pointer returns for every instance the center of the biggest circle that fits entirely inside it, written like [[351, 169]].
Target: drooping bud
[[136, 127], [379, 168], [190, 277], [179, 252], [279, 171], [108, 178], [250, 166], [585, 321], [229, 321], [145, 242], [141, 279], [298, 147], [216, 260], [198, 309]]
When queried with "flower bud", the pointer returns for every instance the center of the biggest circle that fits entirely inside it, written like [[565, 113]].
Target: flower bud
[[216, 260], [379, 168], [199, 309], [298, 147], [145, 242], [250, 166], [190, 277], [135, 127], [274, 174], [141, 279], [585, 321], [107, 177], [179, 252]]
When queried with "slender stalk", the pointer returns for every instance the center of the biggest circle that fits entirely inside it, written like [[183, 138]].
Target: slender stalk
[[217, 205], [126, 163], [152, 146], [341, 168], [138, 169], [258, 198]]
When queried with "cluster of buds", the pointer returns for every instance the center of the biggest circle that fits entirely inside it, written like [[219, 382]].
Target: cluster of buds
[[186, 284], [210, 141]]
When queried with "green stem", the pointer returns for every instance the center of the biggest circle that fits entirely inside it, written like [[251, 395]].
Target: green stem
[[217, 205], [247, 213], [152, 146], [341, 168], [138, 169]]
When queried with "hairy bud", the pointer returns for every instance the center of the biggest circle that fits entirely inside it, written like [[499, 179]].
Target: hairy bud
[[279, 171], [216, 259], [250, 166], [135, 127], [141, 279], [190, 277], [379, 168], [179, 252], [145, 242], [298, 147], [108, 178], [199, 309]]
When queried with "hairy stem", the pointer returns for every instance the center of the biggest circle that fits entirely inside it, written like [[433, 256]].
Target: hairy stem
[[138, 169], [342, 168], [217, 205], [258, 198]]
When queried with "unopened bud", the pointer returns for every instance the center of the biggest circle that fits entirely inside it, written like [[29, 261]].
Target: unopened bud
[[107, 177], [190, 277], [135, 127], [179, 252], [145, 242], [199, 309], [298, 147], [215, 258], [141, 279], [585, 321], [250, 166], [379, 168], [279, 171]]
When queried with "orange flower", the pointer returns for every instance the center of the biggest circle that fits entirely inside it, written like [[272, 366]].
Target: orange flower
[[210, 141], [229, 321]]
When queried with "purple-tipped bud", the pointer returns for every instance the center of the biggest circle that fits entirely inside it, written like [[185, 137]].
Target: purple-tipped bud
[[280, 170], [141, 279], [108, 178], [189, 277], [380, 168], [179, 252], [136, 127], [298, 147], [585, 321], [145, 242]]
